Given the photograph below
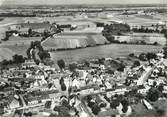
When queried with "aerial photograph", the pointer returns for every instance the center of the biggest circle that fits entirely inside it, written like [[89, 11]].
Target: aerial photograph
[[83, 58]]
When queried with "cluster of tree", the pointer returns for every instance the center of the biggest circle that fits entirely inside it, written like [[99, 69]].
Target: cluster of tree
[[93, 105], [98, 24], [114, 29], [147, 56], [45, 35], [41, 55], [153, 94], [16, 59], [63, 111], [29, 114], [33, 45], [117, 100]]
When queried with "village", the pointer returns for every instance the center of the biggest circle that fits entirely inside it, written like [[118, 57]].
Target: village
[[98, 87], [83, 61]]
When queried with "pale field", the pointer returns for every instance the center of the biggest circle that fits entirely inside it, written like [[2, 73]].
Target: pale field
[[111, 50]]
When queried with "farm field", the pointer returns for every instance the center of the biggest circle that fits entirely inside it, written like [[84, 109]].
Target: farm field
[[149, 38], [13, 49], [111, 50], [20, 41], [6, 53], [73, 41]]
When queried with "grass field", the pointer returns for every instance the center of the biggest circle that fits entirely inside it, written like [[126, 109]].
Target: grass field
[[112, 50], [12, 49], [6, 53]]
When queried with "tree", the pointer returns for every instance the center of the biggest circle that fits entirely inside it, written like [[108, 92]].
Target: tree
[[153, 94], [142, 57], [114, 104], [151, 55], [29, 31], [29, 114], [127, 82], [46, 34], [136, 63], [61, 64], [95, 109], [43, 55], [125, 104], [124, 109], [48, 61], [89, 98], [90, 104], [62, 110], [61, 80], [156, 43], [86, 63], [72, 67], [63, 87], [131, 55], [18, 59], [165, 51], [101, 60], [161, 87]]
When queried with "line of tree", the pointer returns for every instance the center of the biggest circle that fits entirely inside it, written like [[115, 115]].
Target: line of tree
[[16, 59], [146, 30]]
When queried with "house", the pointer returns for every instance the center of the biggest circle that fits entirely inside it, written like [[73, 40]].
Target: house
[[108, 85], [119, 90], [160, 55], [40, 97], [86, 90], [28, 64], [13, 102], [92, 65], [82, 74], [55, 96], [75, 83], [36, 100]]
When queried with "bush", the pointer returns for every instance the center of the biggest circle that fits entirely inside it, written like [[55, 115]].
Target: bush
[[72, 67], [61, 63]]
